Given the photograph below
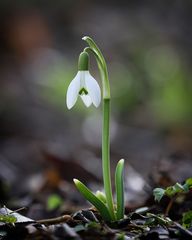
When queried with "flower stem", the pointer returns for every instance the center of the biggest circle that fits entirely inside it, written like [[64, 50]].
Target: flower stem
[[106, 156], [106, 123], [170, 204]]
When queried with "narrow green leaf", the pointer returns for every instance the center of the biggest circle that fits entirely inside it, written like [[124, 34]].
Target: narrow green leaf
[[100, 206], [119, 184]]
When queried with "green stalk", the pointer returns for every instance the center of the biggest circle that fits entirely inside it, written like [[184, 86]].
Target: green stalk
[[106, 124], [106, 156]]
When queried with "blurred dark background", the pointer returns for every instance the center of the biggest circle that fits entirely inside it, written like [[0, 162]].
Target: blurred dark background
[[147, 45]]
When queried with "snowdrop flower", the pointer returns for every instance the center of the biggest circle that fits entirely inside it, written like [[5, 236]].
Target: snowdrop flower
[[83, 85]]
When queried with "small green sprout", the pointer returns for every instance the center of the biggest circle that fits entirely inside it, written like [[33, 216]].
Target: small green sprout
[[54, 201], [101, 196], [87, 88], [172, 192], [8, 218]]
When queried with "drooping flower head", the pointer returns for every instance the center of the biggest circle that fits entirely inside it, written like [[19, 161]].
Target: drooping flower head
[[83, 85]]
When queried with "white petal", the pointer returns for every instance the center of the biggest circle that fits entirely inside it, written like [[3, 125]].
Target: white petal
[[86, 99], [73, 91], [93, 89]]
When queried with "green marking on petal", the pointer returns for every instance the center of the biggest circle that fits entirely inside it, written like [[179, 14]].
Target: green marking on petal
[[83, 91]]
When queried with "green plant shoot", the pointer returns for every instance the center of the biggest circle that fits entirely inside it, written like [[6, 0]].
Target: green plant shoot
[[172, 192], [87, 88], [8, 217]]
